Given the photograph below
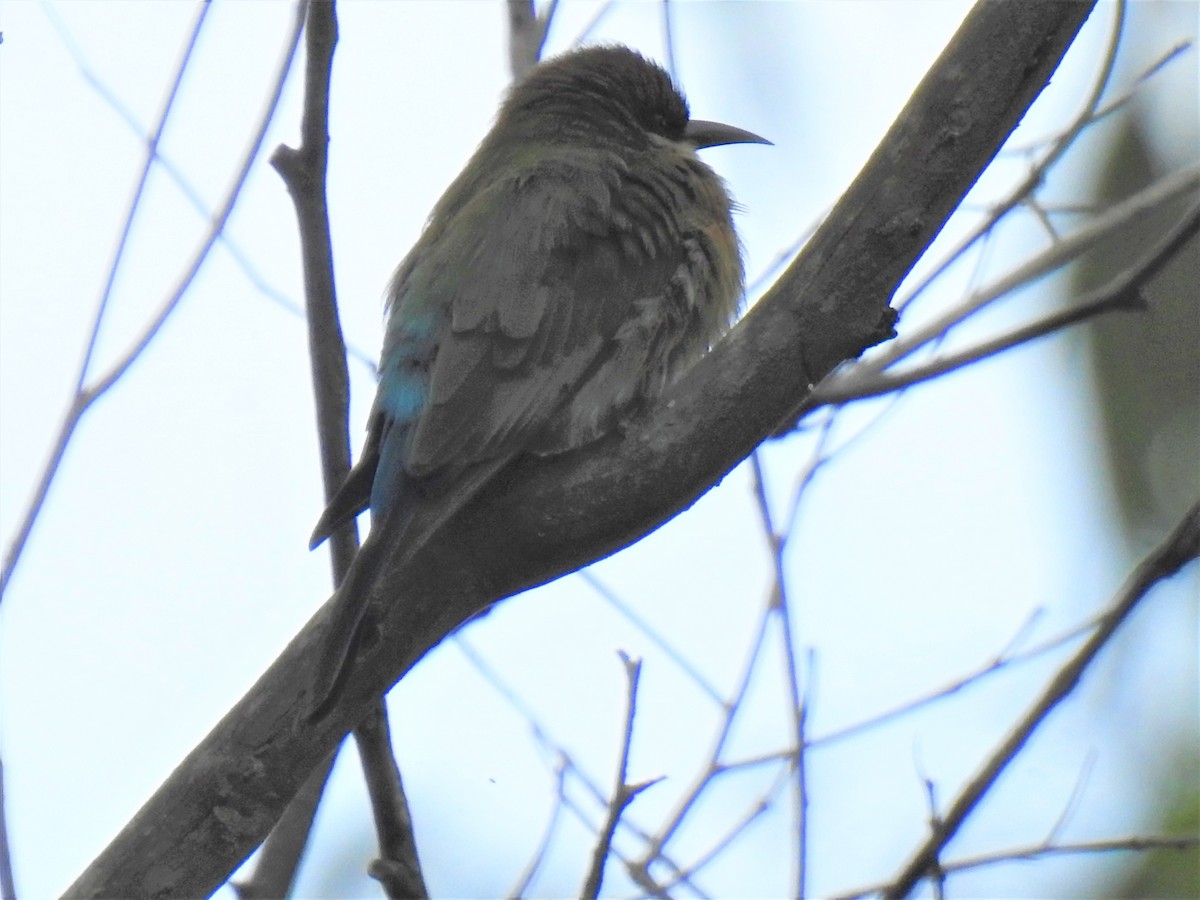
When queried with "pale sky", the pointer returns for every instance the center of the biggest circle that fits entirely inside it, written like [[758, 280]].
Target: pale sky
[[169, 565]]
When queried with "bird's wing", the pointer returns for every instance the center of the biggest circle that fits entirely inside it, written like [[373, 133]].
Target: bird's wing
[[537, 287], [506, 306], [353, 495], [498, 317]]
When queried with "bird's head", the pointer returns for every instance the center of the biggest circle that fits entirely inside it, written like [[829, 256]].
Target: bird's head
[[608, 95]]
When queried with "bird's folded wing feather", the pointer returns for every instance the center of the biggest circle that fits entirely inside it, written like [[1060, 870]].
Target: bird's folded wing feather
[[527, 285]]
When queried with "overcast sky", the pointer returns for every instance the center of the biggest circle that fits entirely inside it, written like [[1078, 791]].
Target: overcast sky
[[169, 566]]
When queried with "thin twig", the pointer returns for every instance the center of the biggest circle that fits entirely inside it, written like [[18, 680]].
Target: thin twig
[[599, 16], [1122, 293], [1072, 804], [525, 879], [623, 792], [1039, 851], [713, 767], [398, 868], [668, 27], [8, 884], [766, 277], [1179, 548], [303, 173], [801, 765], [643, 879], [1122, 99], [527, 32], [782, 608], [996, 664], [1037, 175], [1148, 842], [557, 751], [1126, 214], [808, 475], [747, 819], [543, 738], [83, 397], [657, 638], [937, 875], [166, 165]]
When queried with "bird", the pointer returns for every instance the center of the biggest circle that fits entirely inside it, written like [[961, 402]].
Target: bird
[[582, 260]]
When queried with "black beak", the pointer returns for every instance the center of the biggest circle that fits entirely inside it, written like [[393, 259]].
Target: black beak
[[700, 134]]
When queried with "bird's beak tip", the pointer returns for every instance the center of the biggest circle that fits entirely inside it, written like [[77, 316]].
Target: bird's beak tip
[[701, 133]]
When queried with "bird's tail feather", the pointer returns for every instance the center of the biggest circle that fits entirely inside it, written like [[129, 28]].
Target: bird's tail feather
[[351, 499], [340, 643], [408, 528]]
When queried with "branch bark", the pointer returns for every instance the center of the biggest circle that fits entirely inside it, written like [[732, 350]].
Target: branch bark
[[548, 517]]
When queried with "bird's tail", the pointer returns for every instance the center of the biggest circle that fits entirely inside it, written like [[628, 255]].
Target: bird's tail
[[406, 528], [340, 643]]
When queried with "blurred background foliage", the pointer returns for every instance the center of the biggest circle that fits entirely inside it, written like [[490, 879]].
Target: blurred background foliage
[[1145, 389]]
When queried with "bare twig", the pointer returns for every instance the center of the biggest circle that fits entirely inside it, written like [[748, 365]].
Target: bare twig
[[623, 792], [782, 608], [937, 875], [563, 758], [527, 32], [167, 166], [794, 755], [756, 810], [1122, 293], [1122, 99], [1180, 547], [8, 884], [996, 664], [535, 863], [1038, 851], [398, 868], [668, 30], [303, 171], [1045, 849], [763, 279], [1068, 810], [1126, 214], [84, 396], [808, 473], [713, 767], [800, 763], [656, 637], [1037, 174]]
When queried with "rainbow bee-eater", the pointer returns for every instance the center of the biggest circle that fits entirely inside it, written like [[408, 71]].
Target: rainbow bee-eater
[[581, 261]]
